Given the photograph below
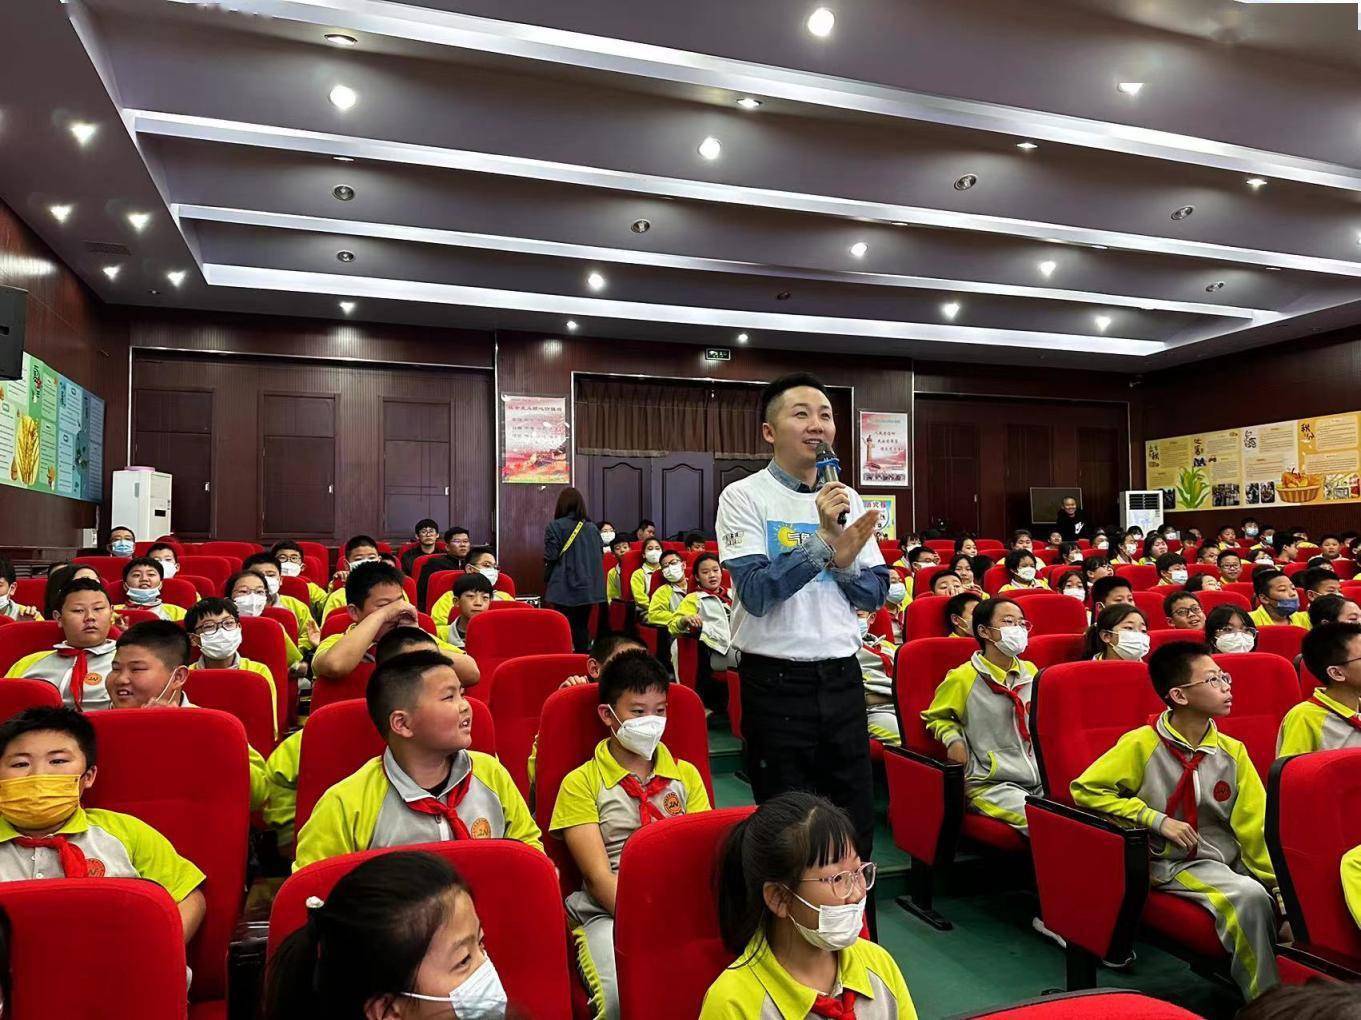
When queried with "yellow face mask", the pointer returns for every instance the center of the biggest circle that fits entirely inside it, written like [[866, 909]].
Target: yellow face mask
[[33, 803]]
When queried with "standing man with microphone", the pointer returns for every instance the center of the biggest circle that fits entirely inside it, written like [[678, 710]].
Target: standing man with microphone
[[802, 562]]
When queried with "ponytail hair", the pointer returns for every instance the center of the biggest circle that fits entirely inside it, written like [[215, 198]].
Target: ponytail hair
[[367, 940], [1107, 619], [776, 843]]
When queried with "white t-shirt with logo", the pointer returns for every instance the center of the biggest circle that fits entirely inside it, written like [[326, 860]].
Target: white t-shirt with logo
[[759, 516]]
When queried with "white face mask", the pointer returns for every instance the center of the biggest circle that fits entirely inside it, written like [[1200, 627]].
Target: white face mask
[[481, 997], [1232, 641], [1026, 573], [491, 574], [1103, 545], [864, 623], [250, 605], [122, 547], [838, 928], [169, 568], [1264, 561], [4, 601], [673, 572], [271, 584], [641, 735], [1130, 549], [290, 569], [1075, 556], [1012, 640], [897, 591], [653, 556], [1076, 593], [607, 537], [144, 596], [221, 644], [1130, 644], [1250, 531], [1173, 536], [1178, 575]]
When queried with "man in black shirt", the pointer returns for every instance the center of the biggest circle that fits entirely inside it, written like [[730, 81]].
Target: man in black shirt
[[456, 545], [427, 542], [1072, 522]]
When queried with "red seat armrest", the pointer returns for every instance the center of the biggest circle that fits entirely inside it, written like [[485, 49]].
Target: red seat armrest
[[925, 804], [1322, 962]]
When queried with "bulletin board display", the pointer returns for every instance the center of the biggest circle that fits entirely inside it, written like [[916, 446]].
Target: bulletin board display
[[51, 434]]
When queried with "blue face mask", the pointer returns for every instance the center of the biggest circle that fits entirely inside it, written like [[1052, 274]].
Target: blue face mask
[[121, 547], [1288, 606]]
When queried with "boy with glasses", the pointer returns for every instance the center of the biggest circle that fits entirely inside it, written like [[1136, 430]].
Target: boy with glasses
[[1184, 610], [1331, 718]]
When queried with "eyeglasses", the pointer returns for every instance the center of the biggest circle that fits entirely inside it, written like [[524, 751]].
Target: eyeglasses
[[1188, 612], [845, 883], [208, 629], [1221, 682], [1025, 625]]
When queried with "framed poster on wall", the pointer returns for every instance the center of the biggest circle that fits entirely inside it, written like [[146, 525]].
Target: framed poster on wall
[[883, 448], [535, 441], [887, 529]]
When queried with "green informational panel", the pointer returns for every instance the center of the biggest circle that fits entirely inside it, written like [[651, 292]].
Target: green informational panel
[[51, 434]]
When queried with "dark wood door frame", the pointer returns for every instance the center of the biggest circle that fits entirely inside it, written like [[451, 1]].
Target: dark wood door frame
[[445, 518], [335, 445]]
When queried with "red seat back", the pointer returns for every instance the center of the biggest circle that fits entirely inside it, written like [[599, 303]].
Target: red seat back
[[110, 568], [633, 559], [1209, 599], [17, 694], [516, 894], [285, 619], [523, 684], [179, 592], [133, 616], [495, 637], [25, 638], [1243, 588], [1141, 576], [1265, 687], [508, 604], [1116, 1005], [31, 591], [1167, 635], [505, 583], [338, 621], [667, 871], [920, 667], [881, 624], [1283, 640], [262, 641], [994, 578], [942, 546], [321, 553], [925, 618], [201, 805], [203, 586], [239, 550], [569, 730], [1052, 613], [441, 583], [340, 737], [1078, 710], [83, 919], [216, 568], [240, 693], [326, 691], [296, 587], [144, 548], [921, 580], [1150, 603], [1051, 649]]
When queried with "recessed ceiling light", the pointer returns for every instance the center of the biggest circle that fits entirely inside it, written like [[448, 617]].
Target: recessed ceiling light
[[175, 276], [112, 272], [901, 223], [343, 192], [1047, 267], [1100, 247], [748, 103], [640, 226], [139, 220], [1103, 322], [345, 255], [341, 39], [950, 310], [742, 338], [83, 131], [1130, 88], [821, 22], [1256, 182], [595, 281], [1183, 212], [343, 97], [860, 249], [966, 182], [571, 326], [1027, 146], [343, 159], [711, 148], [59, 212], [1277, 269], [1210, 288], [347, 307]]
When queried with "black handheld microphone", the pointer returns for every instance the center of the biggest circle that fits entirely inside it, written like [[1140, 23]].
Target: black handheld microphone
[[829, 470]]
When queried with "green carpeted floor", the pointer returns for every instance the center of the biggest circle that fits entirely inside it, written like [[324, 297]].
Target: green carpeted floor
[[992, 957]]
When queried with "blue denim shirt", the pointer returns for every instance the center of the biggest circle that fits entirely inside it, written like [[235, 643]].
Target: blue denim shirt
[[760, 582]]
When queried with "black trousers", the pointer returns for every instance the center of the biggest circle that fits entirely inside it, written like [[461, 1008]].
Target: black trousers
[[804, 727], [579, 619]]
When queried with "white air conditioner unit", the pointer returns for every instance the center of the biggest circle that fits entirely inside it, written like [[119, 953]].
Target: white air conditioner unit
[[1141, 508]]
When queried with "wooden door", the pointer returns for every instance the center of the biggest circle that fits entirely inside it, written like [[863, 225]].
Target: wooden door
[[172, 432], [950, 487], [1030, 462], [415, 466], [683, 493], [618, 489], [297, 465], [1098, 451]]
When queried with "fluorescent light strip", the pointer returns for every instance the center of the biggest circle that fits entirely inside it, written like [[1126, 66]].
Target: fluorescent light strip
[[211, 129], [558, 249], [621, 56], [261, 278]]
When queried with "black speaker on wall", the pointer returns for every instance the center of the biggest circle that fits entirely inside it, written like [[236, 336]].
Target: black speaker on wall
[[13, 314]]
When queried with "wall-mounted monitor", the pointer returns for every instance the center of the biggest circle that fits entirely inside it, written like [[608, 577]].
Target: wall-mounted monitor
[[13, 314]]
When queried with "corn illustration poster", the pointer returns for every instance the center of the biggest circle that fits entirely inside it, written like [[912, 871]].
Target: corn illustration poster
[[1304, 462], [51, 434]]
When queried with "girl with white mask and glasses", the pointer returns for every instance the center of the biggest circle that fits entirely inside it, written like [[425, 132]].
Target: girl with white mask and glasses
[[249, 590], [791, 904], [1120, 633], [398, 938]]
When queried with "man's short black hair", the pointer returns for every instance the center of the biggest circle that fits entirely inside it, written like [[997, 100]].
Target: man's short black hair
[[916, 553], [1315, 576], [481, 550], [164, 547], [1261, 579], [1326, 609], [472, 582], [401, 640], [357, 540], [1167, 561], [958, 603], [1282, 539], [286, 545], [635, 671], [79, 584], [209, 607], [691, 537], [942, 573], [425, 522], [142, 561], [397, 683], [1326, 645], [57, 720], [1175, 597], [776, 388], [622, 538], [457, 529], [122, 527], [7, 570], [367, 576], [259, 560], [1224, 554], [607, 644], [644, 524], [1170, 666], [1091, 564], [165, 639], [1102, 588], [1016, 557]]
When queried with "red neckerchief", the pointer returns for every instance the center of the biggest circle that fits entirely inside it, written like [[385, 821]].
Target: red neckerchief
[[884, 657], [1018, 706], [79, 670], [648, 812], [835, 1009], [1182, 803], [71, 857], [449, 812]]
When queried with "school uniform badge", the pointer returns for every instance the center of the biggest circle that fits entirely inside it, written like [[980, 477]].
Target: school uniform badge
[[1222, 791], [671, 803], [94, 868], [480, 829], [94, 680]]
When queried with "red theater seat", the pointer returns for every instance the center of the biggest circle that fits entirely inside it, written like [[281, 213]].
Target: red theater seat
[[1265, 688], [1141, 576], [216, 568], [1115, 1005], [296, 587], [17, 694], [1151, 605], [1209, 599], [495, 637], [31, 591], [1167, 635], [523, 684], [239, 550], [326, 691], [179, 592], [1052, 613], [240, 693], [109, 568], [25, 638], [285, 619], [925, 618], [1283, 640], [262, 640], [1051, 649]]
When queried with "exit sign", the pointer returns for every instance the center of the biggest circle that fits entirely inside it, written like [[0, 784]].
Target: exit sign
[[717, 354]]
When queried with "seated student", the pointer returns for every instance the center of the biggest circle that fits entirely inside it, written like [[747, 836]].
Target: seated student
[[1070, 583], [1021, 572], [150, 669], [646, 529], [607, 534], [1184, 611], [876, 670], [962, 566], [308, 631], [426, 534], [1094, 568], [1155, 546], [471, 594], [1101, 541], [694, 542], [980, 713], [122, 542], [631, 781], [791, 902], [1278, 601], [164, 554], [289, 555], [1303, 537], [1198, 792], [1226, 537], [1203, 582], [58, 577], [457, 545], [398, 932], [1249, 527], [640, 585], [359, 549], [966, 545], [912, 563], [1022, 539], [427, 786], [79, 663], [946, 583], [1262, 558], [1127, 551], [482, 560], [1230, 566], [1208, 554], [614, 585], [1069, 552], [142, 581], [1193, 536], [214, 628], [1171, 568], [959, 614], [48, 759], [8, 607], [1333, 609], [250, 591], [1316, 582], [1120, 632], [1330, 547], [1055, 538], [706, 613], [897, 600], [1331, 718], [377, 603], [1286, 546], [1230, 630], [668, 595], [1111, 591]]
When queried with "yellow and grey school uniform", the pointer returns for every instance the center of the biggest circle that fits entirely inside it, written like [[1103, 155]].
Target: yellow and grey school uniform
[[876, 669], [316, 599], [1319, 724], [715, 633], [259, 783], [639, 584], [56, 668], [115, 846], [1351, 882], [443, 609], [757, 987], [905, 572], [369, 809], [592, 794], [281, 771], [303, 613], [1001, 770], [251, 666], [1261, 618], [1228, 873], [163, 610], [18, 611], [1037, 585], [614, 585]]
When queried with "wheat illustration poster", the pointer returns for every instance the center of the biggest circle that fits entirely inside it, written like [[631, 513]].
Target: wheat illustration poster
[[51, 434]]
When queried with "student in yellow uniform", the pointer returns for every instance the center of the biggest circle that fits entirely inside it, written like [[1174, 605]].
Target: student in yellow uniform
[[1230, 566], [1155, 546], [471, 596], [876, 657], [963, 567], [150, 669], [706, 614], [670, 593], [79, 663], [966, 545], [1286, 545], [142, 581], [250, 591], [288, 554], [308, 631], [1331, 718], [376, 604], [1070, 583], [427, 786], [164, 554], [1333, 609], [1021, 572], [1119, 633], [214, 628], [1229, 630], [614, 590], [1111, 591], [640, 584], [1317, 582], [48, 759], [959, 614], [1022, 539], [1227, 537], [1184, 611], [791, 903], [358, 550], [1172, 570], [1199, 794], [897, 600], [9, 607], [1330, 547], [915, 561], [1094, 568], [1127, 551], [1351, 882], [631, 781], [1278, 602], [1208, 554], [981, 714], [946, 584], [482, 560], [1069, 552]]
